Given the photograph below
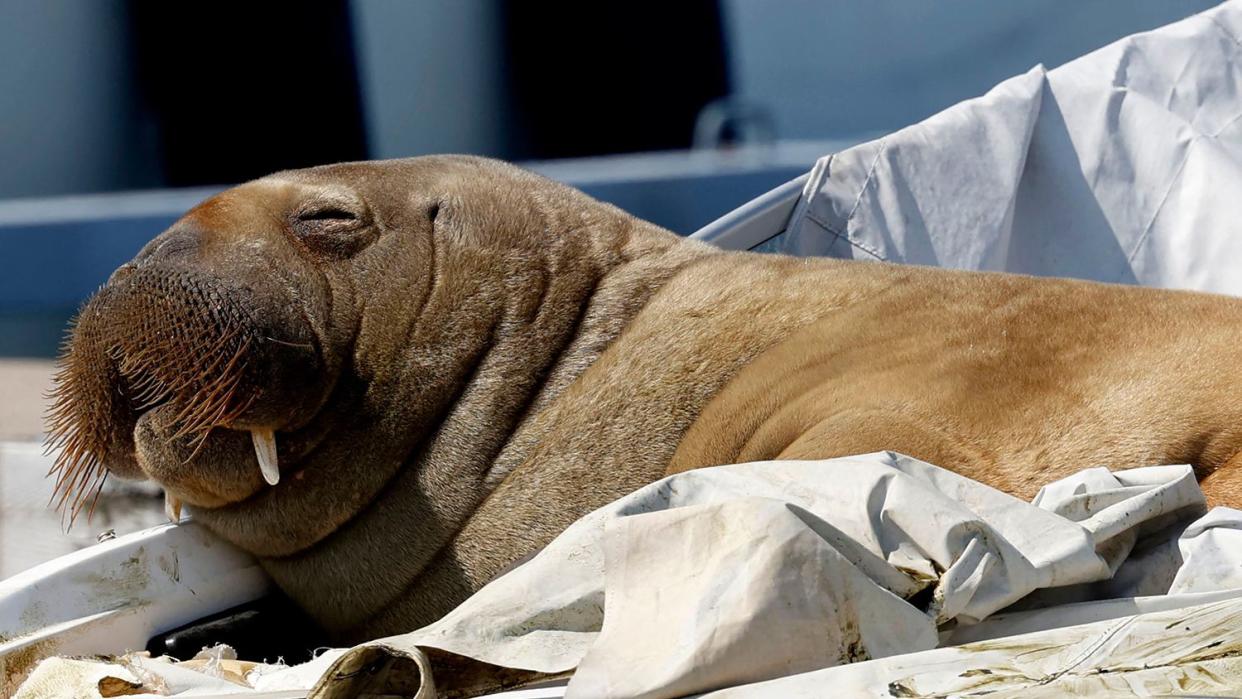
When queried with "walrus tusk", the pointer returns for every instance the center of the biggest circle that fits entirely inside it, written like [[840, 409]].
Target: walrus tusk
[[172, 507], [265, 449]]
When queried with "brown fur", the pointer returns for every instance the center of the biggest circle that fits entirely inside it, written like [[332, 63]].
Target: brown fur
[[461, 358]]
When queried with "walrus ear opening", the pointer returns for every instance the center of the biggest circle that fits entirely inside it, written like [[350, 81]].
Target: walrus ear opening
[[333, 227]]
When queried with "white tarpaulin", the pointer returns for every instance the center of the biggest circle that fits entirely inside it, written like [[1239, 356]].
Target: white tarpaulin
[[727, 576], [1121, 166], [739, 574]]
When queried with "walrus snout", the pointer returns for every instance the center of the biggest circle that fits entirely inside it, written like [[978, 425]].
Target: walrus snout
[[165, 356], [205, 473]]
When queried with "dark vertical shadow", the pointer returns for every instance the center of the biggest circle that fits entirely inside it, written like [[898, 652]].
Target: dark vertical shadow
[[1059, 228], [919, 248], [588, 78], [236, 90]]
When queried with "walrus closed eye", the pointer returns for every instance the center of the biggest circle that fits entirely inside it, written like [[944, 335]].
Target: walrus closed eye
[[391, 380]]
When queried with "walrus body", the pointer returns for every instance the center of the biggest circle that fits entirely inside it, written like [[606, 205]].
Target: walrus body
[[457, 359]]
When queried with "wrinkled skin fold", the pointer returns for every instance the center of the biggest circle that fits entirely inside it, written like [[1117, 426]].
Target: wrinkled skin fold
[[392, 380]]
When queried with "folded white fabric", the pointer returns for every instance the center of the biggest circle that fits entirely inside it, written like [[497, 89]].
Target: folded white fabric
[[1211, 551], [1186, 651], [1120, 166], [734, 574]]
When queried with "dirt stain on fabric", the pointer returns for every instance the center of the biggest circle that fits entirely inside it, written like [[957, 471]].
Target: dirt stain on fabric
[[123, 585]]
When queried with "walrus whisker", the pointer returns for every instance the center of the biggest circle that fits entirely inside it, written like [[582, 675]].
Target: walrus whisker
[[203, 432], [63, 489], [75, 469], [218, 356], [82, 463], [69, 467], [97, 486], [74, 483], [197, 366], [69, 437], [204, 408], [103, 480], [208, 412], [197, 411], [286, 343]]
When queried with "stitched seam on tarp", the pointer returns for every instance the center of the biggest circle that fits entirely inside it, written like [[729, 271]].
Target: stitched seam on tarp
[[1237, 44], [807, 198], [1226, 125], [867, 182], [829, 229], [1224, 29], [875, 162], [1138, 244]]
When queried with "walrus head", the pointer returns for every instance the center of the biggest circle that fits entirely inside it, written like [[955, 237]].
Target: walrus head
[[293, 347]]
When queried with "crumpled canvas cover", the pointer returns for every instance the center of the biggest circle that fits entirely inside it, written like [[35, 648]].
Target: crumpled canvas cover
[[1121, 166], [738, 574]]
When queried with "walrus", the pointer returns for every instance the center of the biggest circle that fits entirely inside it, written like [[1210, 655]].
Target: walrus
[[392, 380]]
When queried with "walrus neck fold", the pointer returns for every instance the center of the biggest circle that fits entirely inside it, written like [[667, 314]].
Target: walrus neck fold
[[541, 344], [642, 265]]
